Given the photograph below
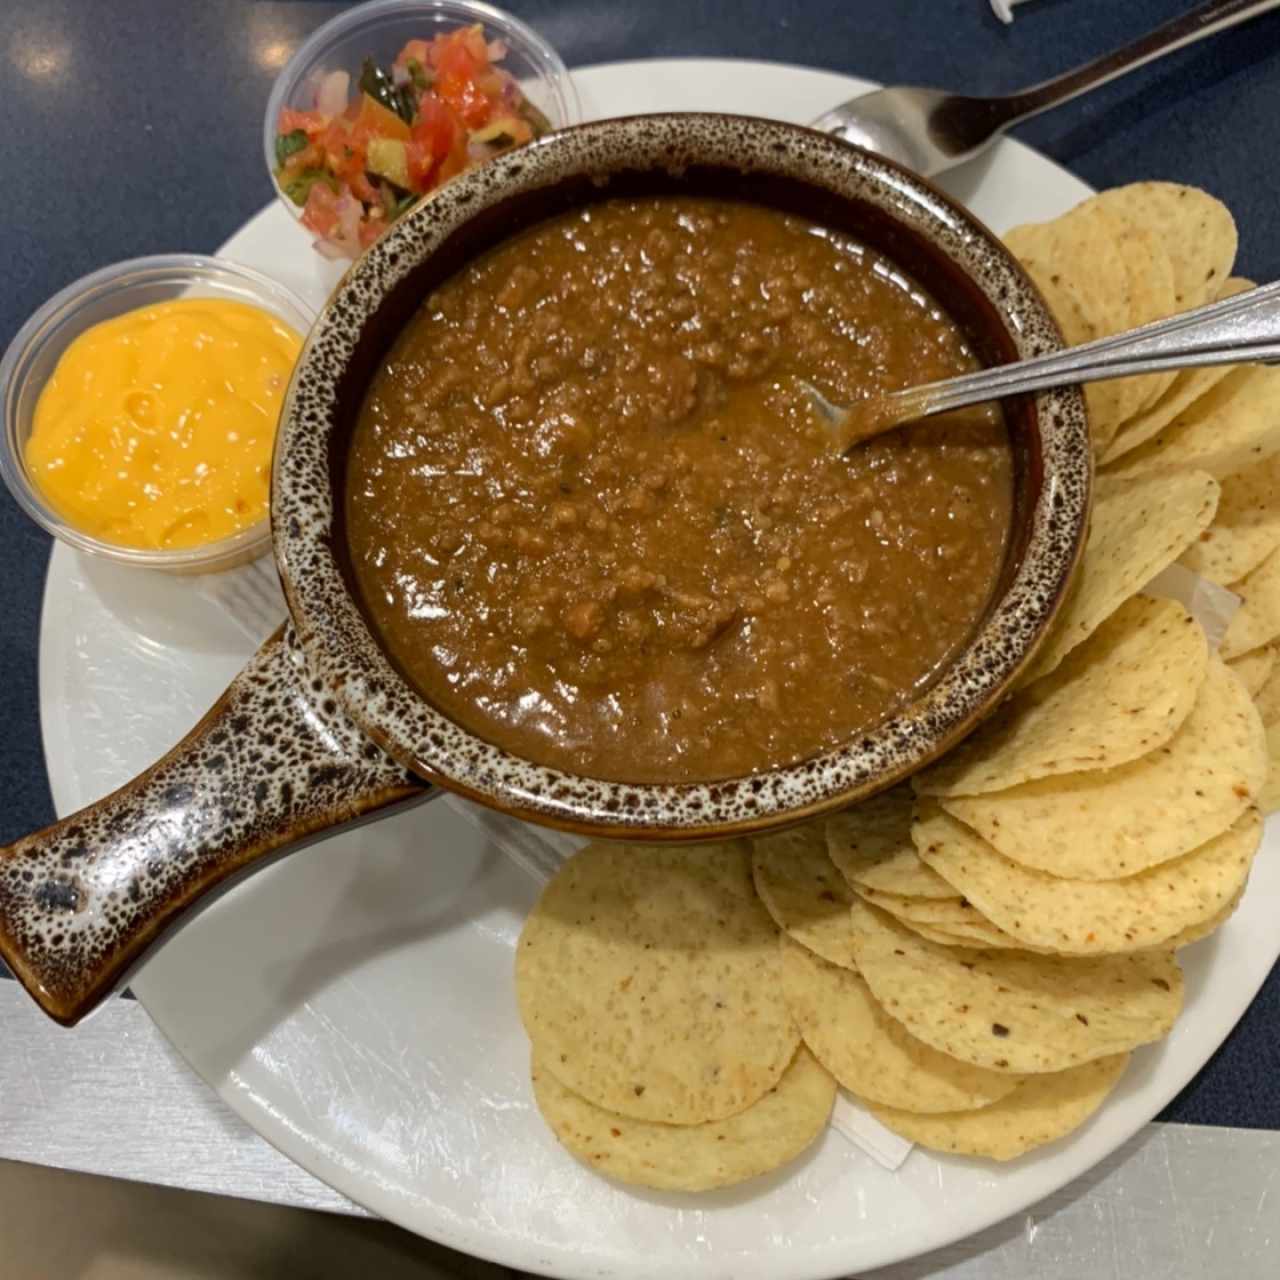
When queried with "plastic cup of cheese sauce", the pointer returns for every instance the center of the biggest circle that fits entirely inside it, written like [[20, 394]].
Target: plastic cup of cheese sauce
[[103, 296]]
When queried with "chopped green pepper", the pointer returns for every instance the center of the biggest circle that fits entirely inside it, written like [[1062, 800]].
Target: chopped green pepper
[[288, 144], [382, 88]]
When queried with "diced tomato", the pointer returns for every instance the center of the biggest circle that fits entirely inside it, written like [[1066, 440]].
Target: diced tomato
[[310, 157], [375, 120], [320, 213], [312, 123], [472, 40], [418, 51], [466, 99], [435, 127]]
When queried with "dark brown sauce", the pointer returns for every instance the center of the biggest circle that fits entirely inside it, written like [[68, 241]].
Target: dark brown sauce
[[594, 518]]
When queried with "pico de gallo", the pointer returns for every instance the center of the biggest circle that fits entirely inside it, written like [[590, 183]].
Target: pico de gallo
[[357, 161]]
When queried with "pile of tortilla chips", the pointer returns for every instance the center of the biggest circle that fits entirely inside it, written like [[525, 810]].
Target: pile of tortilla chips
[[974, 955]]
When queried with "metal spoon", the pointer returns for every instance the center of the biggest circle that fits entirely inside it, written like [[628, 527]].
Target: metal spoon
[[930, 131], [1244, 329]]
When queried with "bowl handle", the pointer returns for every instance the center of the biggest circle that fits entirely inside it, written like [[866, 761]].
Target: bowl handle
[[274, 764]]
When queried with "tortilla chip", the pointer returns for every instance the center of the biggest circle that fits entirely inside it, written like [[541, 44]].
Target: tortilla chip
[[1089, 917], [646, 1153], [648, 981], [1040, 1110], [1245, 528], [803, 891], [1254, 669], [1257, 621], [1083, 312], [871, 846], [1198, 932], [1267, 699], [1111, 823], [1120, 694], [1269, 796], [868, 1052], [1152, 296], [1185, 388], [1236, 424], [1197, 231], [981, 935], [1139, 526], [1008, 1011]]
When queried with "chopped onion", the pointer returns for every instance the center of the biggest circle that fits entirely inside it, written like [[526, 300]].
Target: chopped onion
[[496, 49], [331, 98], [400, 75]]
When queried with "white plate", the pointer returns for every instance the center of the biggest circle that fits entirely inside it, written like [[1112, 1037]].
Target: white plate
[[354, 1003]]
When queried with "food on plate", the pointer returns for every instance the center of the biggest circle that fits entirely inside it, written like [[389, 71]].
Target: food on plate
[[1121, 259], [1245, 528], [1254, 668], [1257, 621], [1089, 917], [648, 982], [1010, 1011], [1040, 1110], [367, 151], [871, 845], [1117, 696], [1138, 527], [593, 517], [769, 1133], [871, 1053], [156, 427], [1185, 387], [974, 955], [804, 891], [1231, 427], [1139, 814]]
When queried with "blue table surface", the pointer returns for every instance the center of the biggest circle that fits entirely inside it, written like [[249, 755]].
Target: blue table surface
[[133, 127]]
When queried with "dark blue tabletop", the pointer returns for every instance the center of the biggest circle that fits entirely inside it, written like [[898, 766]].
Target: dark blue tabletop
[[133, 127]]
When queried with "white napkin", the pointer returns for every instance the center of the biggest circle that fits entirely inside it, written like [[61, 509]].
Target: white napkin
[[1212, 606]]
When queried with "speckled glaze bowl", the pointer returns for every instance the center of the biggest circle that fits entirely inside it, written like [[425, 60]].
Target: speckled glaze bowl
[[321, 730]]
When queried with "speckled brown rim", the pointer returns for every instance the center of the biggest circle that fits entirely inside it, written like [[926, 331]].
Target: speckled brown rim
[[352, 332]]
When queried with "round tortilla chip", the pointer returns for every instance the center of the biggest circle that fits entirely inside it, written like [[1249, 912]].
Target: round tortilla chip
[[871, 846], [1257, 621], [1196, 229], [868, 1052], [1254, 669], [1185, 388], [1008, 1011], [983, 936], [803, 891], [768, 1134], [941, 913], [1138, 528], [1245, 528], [1234, 425], [1102, 398], [1121, 693], [1090, 917], [648, 981], [1040, 1110], [1269, 796], [1111, 823], [1152, 296], [1198, 932], [1267, 699]]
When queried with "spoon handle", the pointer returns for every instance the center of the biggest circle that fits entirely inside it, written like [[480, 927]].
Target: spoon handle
[[1203, 21], [1244, 329]]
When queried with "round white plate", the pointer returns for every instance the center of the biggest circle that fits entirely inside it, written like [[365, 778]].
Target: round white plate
[[354, 1003]]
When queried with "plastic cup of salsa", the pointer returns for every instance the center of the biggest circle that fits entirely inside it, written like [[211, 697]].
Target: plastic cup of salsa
[[381, 28]]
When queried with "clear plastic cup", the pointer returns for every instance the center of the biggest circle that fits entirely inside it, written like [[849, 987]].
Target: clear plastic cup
[[34, 353], [380, 29]]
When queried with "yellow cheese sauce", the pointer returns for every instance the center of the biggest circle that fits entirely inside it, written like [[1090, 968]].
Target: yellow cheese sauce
[[156, 427]]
